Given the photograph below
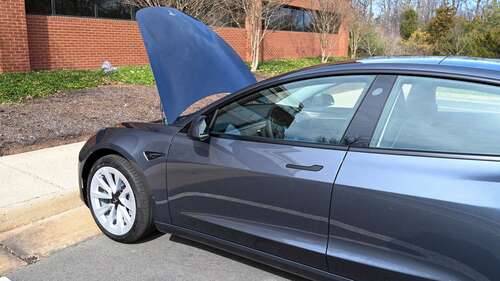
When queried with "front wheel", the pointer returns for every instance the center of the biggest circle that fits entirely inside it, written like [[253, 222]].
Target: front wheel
[[119, 200]]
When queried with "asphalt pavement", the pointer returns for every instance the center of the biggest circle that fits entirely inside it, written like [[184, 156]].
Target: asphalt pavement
[[163, 257]]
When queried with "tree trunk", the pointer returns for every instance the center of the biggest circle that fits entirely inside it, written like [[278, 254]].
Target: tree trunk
[[324, 57], [255, 58], [353, 44], [324, 44], [255, 45], [478, 7], [354, 51]]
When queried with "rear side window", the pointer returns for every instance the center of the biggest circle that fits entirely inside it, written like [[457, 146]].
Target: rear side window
[[429, 114], [315, 111]]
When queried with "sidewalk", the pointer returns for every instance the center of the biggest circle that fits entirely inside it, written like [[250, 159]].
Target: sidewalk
[[39, 173], [40, 210], [43, 181]]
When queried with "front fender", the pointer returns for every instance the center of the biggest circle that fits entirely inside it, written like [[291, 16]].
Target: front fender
[[132, 143]]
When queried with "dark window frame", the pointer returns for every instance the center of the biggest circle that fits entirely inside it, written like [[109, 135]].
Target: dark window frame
[[292, 27], [95, 14]]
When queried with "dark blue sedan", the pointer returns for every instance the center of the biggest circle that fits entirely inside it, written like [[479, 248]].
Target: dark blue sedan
[[379, 169]]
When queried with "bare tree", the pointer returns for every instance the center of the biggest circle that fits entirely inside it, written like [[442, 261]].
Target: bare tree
[[478, 8], [355, 29], [259, 17], [207, 11], [327, 19], [369, 43], [361, 17]]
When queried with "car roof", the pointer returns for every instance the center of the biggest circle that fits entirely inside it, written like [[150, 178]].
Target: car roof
[[488, 69]]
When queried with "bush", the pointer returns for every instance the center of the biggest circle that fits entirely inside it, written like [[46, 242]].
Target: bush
[[417, 44], [409, 23], [372, 42], [484, 34]]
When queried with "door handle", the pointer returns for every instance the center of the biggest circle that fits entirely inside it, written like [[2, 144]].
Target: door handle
[[312, 168]]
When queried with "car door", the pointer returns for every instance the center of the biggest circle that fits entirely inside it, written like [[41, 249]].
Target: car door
[[264, 177], [421, 200]]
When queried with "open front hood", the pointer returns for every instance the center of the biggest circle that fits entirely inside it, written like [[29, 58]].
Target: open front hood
[[188, 59]]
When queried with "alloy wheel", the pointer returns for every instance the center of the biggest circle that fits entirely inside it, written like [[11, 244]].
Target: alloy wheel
[[112, 201]]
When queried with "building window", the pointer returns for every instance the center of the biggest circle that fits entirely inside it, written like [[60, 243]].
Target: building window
[[39, 7], [235, 19], [82, 8], [282, 19], [292, 19], [298, 20], [308, 22], [113, 9]]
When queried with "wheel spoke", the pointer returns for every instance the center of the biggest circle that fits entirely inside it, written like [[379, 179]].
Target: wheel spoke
[[119, 218], [127, 203], [111, 182], [125, 214], [100, 195], [104, 185], [108, 222], [102, 210], [126, 190], [118, 182]]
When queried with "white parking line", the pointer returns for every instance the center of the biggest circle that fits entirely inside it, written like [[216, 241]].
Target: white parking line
[[4, 279]]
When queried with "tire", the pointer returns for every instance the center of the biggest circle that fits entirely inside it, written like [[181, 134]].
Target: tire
[[115, 216]]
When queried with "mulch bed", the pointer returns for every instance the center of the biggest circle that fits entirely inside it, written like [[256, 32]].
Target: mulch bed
[[73, 116], [76, 115]]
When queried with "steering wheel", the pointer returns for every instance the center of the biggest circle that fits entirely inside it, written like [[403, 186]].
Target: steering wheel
[[269, 129]]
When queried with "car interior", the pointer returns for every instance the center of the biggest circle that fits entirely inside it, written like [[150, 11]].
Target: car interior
[[306, 114], [441, 115]]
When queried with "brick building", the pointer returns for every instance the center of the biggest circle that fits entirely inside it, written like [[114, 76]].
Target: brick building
[[81, 34]]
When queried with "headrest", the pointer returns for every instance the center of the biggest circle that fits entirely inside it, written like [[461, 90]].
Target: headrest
[[322, 100]]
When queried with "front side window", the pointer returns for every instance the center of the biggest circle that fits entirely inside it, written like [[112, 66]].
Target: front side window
[[316, 110], [430, 114]]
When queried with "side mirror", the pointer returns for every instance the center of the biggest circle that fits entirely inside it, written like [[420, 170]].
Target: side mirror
[[198, 129]]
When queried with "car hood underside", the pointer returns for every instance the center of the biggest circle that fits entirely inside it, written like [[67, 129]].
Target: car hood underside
[[189, 60]]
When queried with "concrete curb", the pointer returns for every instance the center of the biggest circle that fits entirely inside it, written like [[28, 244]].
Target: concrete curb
[[27, 244], [40, 209], [37, 209]]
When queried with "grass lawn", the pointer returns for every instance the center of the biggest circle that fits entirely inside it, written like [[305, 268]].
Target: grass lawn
[[17, 87], [137, 75], [280, 66]]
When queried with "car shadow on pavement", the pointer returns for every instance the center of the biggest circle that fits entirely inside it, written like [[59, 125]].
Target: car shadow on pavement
[[155, 235], [236, 258]]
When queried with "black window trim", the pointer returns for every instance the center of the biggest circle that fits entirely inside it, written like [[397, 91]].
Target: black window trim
[[280, 142], [427, 154], [362, 126]]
